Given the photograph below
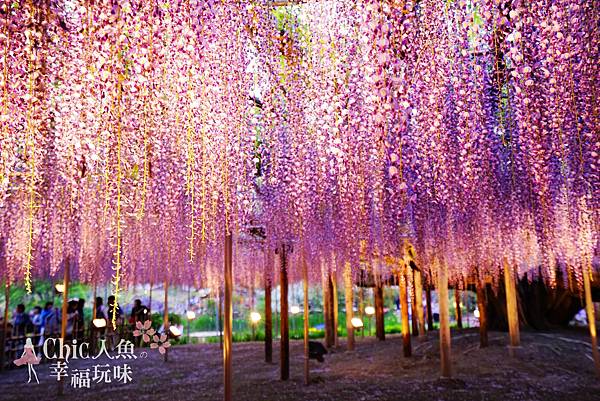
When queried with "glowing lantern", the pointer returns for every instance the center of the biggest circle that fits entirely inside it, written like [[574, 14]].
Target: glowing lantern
[[175, 331], [99, 323], [255, 317]]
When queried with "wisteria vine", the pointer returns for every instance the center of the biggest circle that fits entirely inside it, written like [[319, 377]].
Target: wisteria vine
[[136, 134]]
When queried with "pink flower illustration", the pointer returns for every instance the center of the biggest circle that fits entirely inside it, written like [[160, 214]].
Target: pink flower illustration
[[162, 343], [145, 330]]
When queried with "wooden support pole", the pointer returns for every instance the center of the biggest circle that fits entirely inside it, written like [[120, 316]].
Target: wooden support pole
[[429, 310], [63, 323], [4, 324], [418, 289], [150, 302], [511, 308], [306, 322], [65, 302], [330, 311], [220, 317], [445, 338], [284, 353], [166, 317], [482, 308], [410, 285], [335, 309], [402, 281], [413, 313], [361, 308], [327, 310], [379, 323], [188, 306], [93, 330], [268, 321], [349, 298], [324, 299], [277, 316], [457, 306], [228, 320], [591, 316], [166, 300]]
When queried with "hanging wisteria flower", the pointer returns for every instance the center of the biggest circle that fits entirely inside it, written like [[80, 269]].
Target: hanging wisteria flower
[[162, 343], [144, 329], [145, 133]]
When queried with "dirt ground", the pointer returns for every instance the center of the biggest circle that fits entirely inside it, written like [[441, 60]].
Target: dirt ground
[[549, 366]]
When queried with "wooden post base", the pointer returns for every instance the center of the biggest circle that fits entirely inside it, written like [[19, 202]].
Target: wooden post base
[[513, 351], [379, 316]]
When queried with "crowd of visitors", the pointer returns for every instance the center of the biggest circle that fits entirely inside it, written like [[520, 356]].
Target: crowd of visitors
[[39, 323]]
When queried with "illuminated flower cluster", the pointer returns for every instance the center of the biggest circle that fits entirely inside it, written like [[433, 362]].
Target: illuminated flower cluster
[[135, 135]]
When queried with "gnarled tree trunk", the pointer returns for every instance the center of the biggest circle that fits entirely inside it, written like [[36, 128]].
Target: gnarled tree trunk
[[540, 307]]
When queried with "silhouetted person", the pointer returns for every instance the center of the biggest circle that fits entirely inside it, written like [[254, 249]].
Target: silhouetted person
[[36, 319], [49, 324], [20, 325], [72, 318], [138, 312], [100, 309], [20, 321], [80, 319]]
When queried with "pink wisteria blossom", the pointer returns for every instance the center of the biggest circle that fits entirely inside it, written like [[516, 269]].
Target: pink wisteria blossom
[[135, 135]]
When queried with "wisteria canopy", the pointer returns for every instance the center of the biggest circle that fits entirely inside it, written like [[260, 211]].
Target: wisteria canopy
[[136, 134]]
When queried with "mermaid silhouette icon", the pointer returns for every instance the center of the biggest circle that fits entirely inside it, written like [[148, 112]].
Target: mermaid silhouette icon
[[30, 359]]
